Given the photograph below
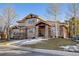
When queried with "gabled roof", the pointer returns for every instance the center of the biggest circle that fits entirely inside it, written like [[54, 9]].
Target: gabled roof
[[45, 22], [29, 17], [14, 27], [52, 23]]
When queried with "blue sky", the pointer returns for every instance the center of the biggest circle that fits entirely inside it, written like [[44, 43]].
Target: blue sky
[[23, 9]]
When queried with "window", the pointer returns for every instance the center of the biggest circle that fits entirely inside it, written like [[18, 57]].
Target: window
[[31, 30], [31, 21], [0, 28], [53, 29]]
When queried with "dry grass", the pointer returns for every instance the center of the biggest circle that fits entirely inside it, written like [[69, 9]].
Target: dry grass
[[53, 43], [3, 43]]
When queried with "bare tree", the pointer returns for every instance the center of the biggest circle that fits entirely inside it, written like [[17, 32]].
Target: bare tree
[[8, 15], [73, 10], [54, 10]]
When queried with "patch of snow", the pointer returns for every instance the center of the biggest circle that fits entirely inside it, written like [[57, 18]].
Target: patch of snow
[[15, 52], [70, 48], [27, 41]]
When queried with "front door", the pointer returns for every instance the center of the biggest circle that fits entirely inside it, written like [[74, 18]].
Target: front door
[[41, 31]]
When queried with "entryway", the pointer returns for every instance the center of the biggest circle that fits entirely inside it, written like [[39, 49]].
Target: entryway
[[41, 31]]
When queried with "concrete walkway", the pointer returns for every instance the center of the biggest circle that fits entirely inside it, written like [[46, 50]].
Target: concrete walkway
[[26, 41]]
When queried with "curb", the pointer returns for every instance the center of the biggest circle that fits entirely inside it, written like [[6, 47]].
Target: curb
[[57, 52]]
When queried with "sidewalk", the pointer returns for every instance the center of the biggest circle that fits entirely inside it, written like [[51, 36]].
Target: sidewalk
[[34, 41], [42, 51], [53, 52], [57, 52]]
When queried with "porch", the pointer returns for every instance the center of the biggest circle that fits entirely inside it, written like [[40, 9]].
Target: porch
[[42, 30]]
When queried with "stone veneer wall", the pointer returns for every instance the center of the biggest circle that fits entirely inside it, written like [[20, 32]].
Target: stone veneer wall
[[31, 33]]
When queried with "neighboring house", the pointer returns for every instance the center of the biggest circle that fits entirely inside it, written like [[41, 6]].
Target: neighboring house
[[33, 26]]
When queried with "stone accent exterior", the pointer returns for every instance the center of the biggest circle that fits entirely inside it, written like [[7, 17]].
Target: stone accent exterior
[[36, 32], [46, 31]]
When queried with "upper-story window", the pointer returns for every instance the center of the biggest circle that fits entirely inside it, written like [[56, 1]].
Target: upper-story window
[[0, 28], [53, 29], [31, 21]]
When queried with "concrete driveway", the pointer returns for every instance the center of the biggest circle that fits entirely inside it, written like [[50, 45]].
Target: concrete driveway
[[26, 41]]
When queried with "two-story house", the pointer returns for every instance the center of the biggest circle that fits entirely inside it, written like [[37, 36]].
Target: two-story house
[[33, 26]]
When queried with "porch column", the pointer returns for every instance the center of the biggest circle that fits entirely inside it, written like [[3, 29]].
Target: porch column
[[36, 32], [65, 33], [46, 31]]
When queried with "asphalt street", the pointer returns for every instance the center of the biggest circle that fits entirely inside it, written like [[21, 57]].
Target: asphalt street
[[7, 51]]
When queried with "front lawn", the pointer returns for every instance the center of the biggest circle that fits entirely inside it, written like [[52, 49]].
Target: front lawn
[[53, 43]]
